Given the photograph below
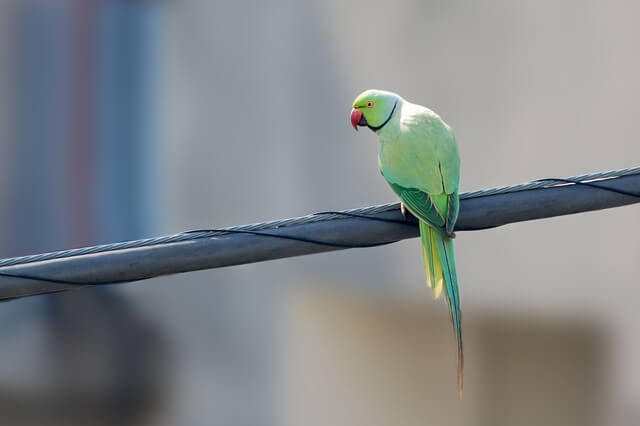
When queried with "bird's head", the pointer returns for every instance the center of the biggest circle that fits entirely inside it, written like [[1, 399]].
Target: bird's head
[[373, 108]]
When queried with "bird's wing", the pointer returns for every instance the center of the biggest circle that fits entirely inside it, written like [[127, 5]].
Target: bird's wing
[[421, 205], [453, 208]]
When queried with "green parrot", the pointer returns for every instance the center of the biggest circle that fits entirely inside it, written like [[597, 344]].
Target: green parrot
[[418, 157]]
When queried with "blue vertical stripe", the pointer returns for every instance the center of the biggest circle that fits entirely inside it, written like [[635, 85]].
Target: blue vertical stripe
[[125, 151]]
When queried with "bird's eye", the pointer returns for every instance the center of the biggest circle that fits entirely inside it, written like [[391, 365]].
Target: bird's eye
[[370, 104]]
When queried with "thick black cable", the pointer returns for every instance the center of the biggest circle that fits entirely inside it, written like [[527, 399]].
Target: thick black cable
[[289, 237], [407, 221]]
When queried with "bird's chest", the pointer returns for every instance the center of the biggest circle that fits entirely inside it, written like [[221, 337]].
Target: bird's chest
[[396, 154], [410, 161]]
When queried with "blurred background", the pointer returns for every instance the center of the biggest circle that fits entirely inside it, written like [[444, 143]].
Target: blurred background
[[126, 119]]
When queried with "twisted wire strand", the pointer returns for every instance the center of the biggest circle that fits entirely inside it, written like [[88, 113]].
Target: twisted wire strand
[[311, 218], [545, 183]]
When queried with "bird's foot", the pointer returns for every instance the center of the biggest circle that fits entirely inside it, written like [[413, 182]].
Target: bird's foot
[[403, 210]]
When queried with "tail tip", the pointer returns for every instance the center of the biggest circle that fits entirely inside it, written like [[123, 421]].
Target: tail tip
[[460, 374]]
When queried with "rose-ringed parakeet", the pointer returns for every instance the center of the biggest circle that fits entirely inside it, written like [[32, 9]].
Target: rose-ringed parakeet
[[418, 157]]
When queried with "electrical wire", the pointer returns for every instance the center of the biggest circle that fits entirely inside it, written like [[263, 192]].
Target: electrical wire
[[594, 180], [316, 217]]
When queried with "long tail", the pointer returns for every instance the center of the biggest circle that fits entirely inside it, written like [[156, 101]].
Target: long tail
[[440, 267]]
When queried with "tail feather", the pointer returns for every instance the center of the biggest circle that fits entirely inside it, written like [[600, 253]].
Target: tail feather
[[441, 266], [437, 263], [432, 267]]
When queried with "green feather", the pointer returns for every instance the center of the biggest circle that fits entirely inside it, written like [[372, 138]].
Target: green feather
[[433, 270], [452, 296], [453, 208], [421, 205]]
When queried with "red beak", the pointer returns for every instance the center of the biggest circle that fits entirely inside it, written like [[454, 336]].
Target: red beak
[[356, 116]]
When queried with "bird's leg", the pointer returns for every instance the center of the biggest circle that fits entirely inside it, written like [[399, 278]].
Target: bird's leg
[[403, 210]]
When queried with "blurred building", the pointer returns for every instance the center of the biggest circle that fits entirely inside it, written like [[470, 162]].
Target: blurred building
[[78, 154], [125, 119]]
